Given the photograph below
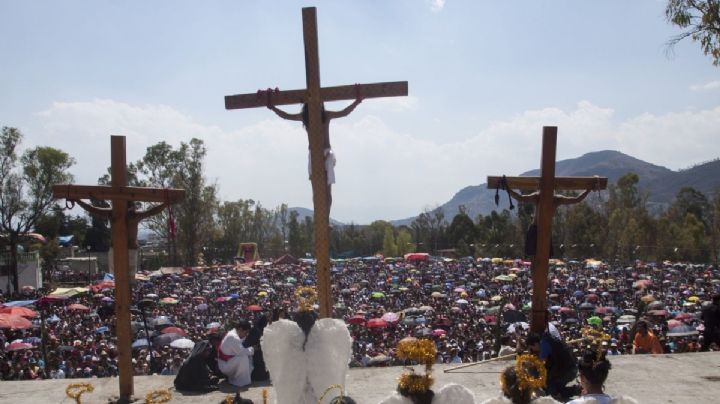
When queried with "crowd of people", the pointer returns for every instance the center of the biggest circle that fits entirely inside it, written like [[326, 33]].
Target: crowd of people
[[472, 309]]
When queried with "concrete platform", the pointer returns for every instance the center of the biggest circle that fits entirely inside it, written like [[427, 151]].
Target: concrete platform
[[683, 378]]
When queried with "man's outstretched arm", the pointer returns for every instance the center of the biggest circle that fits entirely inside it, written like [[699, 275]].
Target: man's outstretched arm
[[105, 213], [533, 197], [569, 200], [151, 212]]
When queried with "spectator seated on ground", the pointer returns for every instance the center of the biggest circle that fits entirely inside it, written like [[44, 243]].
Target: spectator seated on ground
[[194, 374], [594, 369]]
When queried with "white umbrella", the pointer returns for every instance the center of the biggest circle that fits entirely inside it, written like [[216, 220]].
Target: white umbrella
[[182, 343], [461, 301], [201, 307], [511, 328]]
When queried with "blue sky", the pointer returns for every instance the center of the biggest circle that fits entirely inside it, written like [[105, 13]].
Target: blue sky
[[484, 77]]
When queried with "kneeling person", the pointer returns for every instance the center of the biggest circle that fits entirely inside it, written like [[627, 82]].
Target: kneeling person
[[234, 360]]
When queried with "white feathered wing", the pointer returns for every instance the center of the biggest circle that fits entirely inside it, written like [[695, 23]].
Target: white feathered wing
[[285, 360], [328, 351], [454, 393]]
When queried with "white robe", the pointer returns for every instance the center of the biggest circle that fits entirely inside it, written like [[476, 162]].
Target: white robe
[[238, 368]]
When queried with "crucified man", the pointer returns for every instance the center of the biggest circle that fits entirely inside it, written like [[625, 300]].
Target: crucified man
[[534, 198], [327, 116], [133, 220]]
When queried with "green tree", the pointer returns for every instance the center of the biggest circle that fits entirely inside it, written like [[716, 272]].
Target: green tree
[[701, 21], [461, 233], [26, 190], [390, 248], [404, 241]]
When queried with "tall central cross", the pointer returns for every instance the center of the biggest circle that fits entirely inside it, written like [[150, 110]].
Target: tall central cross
[[313, 97], [546, 184], [120, 194]]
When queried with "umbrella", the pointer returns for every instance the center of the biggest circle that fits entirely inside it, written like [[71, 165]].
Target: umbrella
[[151, 296], [19, 311], [683, 316], [514, 316], [162, 320], [168, 300], [174, 330], [459, 290], [140, 343], [254, 307], [674, 323], [512, 327], [423, 332], [594, 320], [420, 320], [555, 308], [262, 293], [378, 295], [648, 298], [626, 319], [587, 306], [346, 291], [425, 308], [438, 332], [356, 320], [391, 317], [642, 283], [566, 310], [682, 331], [18, 346], [101, 330], [377, 323], [592, 297], [604, 310], [379, 359], [107, 299], [693, 299], [201, 307], [13, 321], [78, 307], [461, 301], [442, 321], [496, 298], [182, 343], [166, 339], [213, 325]]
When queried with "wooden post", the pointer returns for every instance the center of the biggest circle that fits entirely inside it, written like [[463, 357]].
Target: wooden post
[[314, 96], [119, 230], [545, 212]]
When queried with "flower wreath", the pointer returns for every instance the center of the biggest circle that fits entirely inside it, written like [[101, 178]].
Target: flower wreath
[[307, 296], [524, 365], [422, 351], [158, 397], [76, 390]]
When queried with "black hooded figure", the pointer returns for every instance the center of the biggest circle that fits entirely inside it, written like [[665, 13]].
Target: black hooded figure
[[194, 374], [259, 372]]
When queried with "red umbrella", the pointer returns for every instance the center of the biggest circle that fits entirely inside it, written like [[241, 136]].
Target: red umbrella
[[674, 323], [17, 346], [357, 320], [442, 321], [13, 321], [592, 297], [377, 323], [174, 330], [254, 307], [439, 332], [603, 310], [683, 316], [566, 310], [19, 311], [78, 307]]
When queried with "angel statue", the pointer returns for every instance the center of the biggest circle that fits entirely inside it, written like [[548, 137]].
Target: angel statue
[[307, 355], [415, 388]]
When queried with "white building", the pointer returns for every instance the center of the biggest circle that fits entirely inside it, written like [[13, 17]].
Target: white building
[[29, 271]]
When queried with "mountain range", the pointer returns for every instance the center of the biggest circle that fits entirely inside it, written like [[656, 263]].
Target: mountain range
[[659, 183]]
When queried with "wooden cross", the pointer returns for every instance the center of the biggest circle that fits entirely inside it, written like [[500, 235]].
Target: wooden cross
[[313, 97], [119, 193], [546, 184]]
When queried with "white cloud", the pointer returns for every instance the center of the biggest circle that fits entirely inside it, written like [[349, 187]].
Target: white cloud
[[709, 86], [437, 5], [381, 173]]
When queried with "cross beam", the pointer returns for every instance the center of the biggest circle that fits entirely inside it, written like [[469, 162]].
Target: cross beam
[[313, 97], [546, 185], [119, 193], [337, 93], [560, 183]]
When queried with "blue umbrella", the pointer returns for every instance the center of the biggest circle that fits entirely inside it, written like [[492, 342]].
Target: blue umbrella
[[140, 343], [101, 330], [554, 308], [32, 340], [579, 293]]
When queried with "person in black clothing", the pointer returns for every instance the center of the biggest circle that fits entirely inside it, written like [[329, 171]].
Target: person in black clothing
[[259, 372], [711, 320], [212, 359], [194, 374], [560, 363]]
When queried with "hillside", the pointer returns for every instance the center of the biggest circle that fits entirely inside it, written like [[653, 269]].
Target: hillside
[[660, 183]]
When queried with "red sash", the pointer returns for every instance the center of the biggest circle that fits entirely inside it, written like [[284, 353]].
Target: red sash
[[224, 357]]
